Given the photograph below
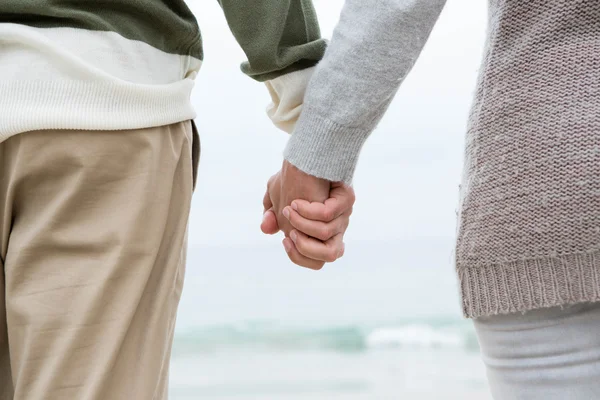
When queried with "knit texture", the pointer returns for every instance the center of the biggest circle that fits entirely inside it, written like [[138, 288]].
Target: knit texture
[[324, 140], [529, 230], [131, 64], [373, 48], [529, 215]]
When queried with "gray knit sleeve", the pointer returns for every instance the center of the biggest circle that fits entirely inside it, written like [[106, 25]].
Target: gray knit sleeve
[[373, 48]]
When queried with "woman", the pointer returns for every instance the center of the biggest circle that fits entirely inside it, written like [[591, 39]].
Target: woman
[[527, 253]]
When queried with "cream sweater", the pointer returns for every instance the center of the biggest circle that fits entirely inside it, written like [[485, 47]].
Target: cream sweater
[[131, 64]]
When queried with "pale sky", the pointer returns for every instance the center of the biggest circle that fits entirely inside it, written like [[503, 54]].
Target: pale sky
[[408, 175]]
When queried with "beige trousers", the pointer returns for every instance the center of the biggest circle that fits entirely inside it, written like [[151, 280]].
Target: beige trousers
[[92, 254]]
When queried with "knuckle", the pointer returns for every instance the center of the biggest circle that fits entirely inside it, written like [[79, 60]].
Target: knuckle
[[317, 266], [328, 214], [351, 196], [344, 225], [295, 259], [325, 232], [331, 255], [342, 250]]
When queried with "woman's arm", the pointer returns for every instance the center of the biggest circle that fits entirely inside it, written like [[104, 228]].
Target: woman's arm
[[373, 48]]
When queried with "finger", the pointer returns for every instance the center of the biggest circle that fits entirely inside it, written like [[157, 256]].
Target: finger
[[341, 200], [328, 251], [269, 225], [298, 258], [318, 229]]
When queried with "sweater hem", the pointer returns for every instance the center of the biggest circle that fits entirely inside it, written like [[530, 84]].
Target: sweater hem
[[524, 285], [39, 105]]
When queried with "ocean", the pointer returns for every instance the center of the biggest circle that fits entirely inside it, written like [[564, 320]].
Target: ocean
[[384, 323], [263, 360]]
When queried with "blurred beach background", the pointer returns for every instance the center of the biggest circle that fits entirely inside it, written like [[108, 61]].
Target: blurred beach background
[[385, 321]]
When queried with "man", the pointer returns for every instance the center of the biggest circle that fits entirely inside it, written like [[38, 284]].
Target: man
[[97, 167]]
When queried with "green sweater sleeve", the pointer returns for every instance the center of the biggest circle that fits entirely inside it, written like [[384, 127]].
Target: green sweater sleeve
[[278, 36]]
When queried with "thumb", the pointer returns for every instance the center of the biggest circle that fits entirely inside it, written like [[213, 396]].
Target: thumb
[[269, 225]]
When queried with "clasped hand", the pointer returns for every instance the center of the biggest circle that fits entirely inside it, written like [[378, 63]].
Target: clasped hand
[[313, 214]]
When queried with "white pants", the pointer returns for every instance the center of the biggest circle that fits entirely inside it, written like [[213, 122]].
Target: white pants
[[547, 354]]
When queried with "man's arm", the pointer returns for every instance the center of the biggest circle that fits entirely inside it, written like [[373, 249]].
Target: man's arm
[[373, 48], [282, 41]]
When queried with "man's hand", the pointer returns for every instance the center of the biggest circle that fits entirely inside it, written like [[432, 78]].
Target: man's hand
[[313, 213]]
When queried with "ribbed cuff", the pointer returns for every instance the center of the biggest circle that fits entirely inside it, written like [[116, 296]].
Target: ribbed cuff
[[524, 285], [324, 148]]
